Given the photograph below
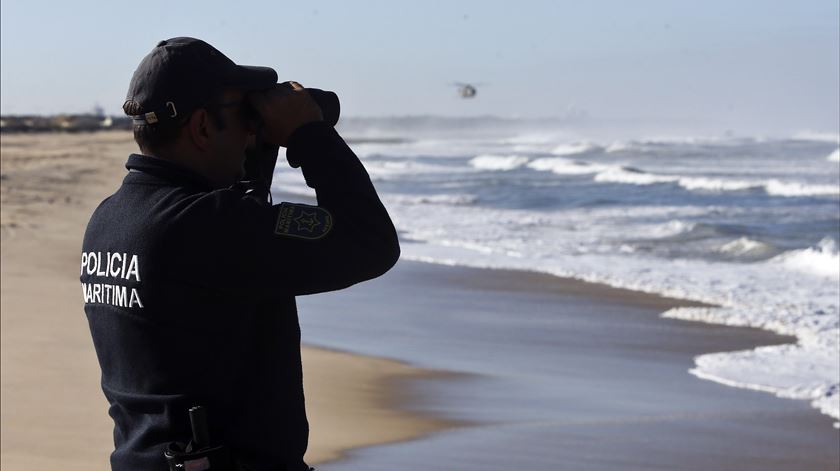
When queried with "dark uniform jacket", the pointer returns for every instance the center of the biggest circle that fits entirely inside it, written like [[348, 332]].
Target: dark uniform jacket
[[190, 297]]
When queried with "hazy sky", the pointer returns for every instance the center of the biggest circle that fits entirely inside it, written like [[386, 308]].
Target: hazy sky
[[748, 63]]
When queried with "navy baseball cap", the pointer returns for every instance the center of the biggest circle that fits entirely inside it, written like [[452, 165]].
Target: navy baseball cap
[[180, 75]]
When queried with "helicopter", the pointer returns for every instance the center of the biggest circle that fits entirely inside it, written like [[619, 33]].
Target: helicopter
[[466, 90]]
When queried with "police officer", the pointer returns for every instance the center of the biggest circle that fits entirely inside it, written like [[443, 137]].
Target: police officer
[[189, 274]]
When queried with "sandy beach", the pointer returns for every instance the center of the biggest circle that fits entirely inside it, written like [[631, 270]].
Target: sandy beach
[[626, 399], [54, 414]]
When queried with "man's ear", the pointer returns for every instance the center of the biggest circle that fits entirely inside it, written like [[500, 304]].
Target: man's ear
[[198, 128]]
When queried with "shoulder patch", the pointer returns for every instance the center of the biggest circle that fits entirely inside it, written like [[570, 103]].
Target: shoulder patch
[[302, 221]]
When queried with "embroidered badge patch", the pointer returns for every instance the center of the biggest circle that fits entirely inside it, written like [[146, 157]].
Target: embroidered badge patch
[[302, 221]]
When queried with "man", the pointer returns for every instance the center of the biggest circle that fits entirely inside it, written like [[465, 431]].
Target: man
[[189, 274]]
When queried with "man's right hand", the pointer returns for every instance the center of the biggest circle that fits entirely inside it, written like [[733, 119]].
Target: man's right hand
[[283, 109]]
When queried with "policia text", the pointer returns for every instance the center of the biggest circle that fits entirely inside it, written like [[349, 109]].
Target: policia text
[[112, 265]]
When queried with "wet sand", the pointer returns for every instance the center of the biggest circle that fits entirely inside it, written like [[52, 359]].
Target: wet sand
[[619, 392]]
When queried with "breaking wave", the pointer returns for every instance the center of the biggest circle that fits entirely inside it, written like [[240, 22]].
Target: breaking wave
[[746, 247], [821, 260], [780, 188], [633, 176], [817, 136], [498, 162], [563, 166], [671, 229], [575, 148], [442, 199]]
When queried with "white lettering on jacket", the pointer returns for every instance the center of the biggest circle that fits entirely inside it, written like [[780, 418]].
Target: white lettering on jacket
[[113, 266]]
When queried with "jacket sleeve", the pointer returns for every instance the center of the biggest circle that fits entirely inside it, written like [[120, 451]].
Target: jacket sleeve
[[297, 249]]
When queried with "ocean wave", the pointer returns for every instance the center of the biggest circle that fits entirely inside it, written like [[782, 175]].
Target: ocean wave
[[618, 146], [390, 168], [660, 142], [426, 148], [689, 140], [780, 188], [834, 156], [639, 177], [817, 136], [444, 199], [633, 176], [647, 144], [498, 162], [671, 229], [529, 139], [745, 246], [806, 370], [716, 184], [562, 166], [821, 260], [759, 370], [575, 148]]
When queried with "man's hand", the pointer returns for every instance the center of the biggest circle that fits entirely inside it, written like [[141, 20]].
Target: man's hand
[[283, 109]]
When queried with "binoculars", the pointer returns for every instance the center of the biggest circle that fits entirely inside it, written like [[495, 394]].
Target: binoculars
[[261, 156], [326, 100]]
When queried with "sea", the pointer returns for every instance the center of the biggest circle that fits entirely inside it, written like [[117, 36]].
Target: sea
[[746, 222]]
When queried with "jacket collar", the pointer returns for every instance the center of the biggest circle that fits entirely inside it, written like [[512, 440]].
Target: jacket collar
[[166, 170]]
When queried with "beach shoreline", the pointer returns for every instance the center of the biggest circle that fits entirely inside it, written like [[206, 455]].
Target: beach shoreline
[[52, 182], [346, 392], [624, 397]]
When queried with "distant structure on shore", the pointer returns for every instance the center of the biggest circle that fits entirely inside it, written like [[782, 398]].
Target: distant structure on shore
[[85, 122]]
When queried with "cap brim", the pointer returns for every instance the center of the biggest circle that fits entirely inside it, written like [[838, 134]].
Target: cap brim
[[250, 77]]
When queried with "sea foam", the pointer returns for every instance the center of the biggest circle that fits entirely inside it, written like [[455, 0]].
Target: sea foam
[[807, 370], [822, 260], [633, 176], [818, 136], [562, 166], [745, 246], [780, 188], [575, 148], [498, 162]]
